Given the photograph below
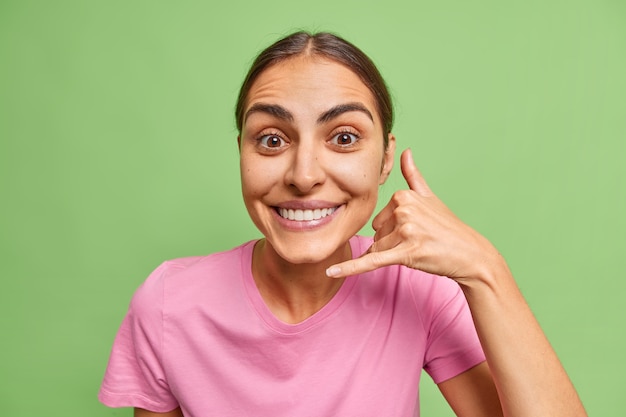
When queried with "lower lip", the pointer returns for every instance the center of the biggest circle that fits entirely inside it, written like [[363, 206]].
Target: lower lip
[[305, 225]]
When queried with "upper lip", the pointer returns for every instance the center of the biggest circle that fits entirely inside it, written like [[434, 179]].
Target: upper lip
[[307, 204]]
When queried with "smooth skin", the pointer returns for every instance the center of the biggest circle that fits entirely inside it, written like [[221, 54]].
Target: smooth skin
[[312, 138]]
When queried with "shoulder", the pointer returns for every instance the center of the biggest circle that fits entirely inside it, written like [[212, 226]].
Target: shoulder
[[424, 293], [186, 275]]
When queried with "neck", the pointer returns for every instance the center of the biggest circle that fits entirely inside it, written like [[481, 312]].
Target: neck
[[294, 292]]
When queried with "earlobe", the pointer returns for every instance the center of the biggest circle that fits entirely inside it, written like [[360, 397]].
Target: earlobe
[[388, 159]]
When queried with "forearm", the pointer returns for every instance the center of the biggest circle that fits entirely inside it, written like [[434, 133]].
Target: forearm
[[527, 372]]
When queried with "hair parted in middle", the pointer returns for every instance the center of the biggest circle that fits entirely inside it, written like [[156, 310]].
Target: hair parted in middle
[[329, 46]]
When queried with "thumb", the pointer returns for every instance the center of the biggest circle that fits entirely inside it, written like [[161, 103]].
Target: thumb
[[412, 175]]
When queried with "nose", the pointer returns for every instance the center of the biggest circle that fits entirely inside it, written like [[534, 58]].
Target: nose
[[306, 170]]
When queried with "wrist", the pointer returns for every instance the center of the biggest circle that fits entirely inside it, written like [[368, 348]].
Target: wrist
[[491, 274]]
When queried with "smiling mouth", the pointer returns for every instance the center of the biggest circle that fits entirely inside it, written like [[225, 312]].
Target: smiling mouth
[[305, 215]]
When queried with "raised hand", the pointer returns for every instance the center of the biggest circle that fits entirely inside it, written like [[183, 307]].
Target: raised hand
[[417, 230]]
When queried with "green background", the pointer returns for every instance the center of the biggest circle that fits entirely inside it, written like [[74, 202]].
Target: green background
[[118, 151]]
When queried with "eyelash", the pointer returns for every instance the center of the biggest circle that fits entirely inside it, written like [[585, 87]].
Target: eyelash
[[267, 135], [346, 131], [343, 131]]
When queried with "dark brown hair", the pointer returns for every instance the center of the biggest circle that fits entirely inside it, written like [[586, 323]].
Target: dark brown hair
[[329, 46]]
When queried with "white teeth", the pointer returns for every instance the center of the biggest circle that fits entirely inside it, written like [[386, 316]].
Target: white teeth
[[305, 215]]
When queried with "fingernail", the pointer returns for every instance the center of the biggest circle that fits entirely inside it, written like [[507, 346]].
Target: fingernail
[[333, 271]]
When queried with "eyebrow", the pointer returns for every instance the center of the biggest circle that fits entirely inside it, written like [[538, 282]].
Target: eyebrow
[[340, 109], [282, 113], [272, 109]]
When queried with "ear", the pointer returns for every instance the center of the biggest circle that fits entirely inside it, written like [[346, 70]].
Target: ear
[[239, 142], [388, 159]]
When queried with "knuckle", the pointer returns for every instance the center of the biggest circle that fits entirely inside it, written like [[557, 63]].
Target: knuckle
[[348, 268], [401, 196], [403, 212], [375, 259], [407, 230]]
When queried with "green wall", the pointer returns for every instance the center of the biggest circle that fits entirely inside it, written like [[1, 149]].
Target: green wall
[[117, 151]]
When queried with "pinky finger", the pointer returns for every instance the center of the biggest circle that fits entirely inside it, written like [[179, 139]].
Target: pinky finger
[[368, 262]]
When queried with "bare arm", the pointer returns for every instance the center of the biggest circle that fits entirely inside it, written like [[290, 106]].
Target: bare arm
[[472, 393], [527, 372], [417, 230], [140, 412]]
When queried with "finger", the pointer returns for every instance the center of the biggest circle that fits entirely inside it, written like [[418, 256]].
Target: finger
[[412, 175], [368, 262], [384, 230], [384, 243], [384, 215]]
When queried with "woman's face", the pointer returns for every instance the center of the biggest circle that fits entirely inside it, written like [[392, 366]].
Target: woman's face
[[312, 157]]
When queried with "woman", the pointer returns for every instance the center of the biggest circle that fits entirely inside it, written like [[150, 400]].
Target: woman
[[312, 320]]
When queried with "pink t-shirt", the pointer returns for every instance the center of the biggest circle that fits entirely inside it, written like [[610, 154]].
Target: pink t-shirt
[[198, 335]]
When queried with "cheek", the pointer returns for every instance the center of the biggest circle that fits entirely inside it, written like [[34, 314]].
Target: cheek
[[257, 177], [359, 176], [252, 185]]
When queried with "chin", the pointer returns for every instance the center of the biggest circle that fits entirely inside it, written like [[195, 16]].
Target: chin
[[308, 252]]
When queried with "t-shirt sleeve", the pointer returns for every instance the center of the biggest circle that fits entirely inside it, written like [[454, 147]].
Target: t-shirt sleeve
[[135, 375], [452, 345]]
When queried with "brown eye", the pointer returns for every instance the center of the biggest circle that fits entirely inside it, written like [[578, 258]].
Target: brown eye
[[271, 141], [344, 139]]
